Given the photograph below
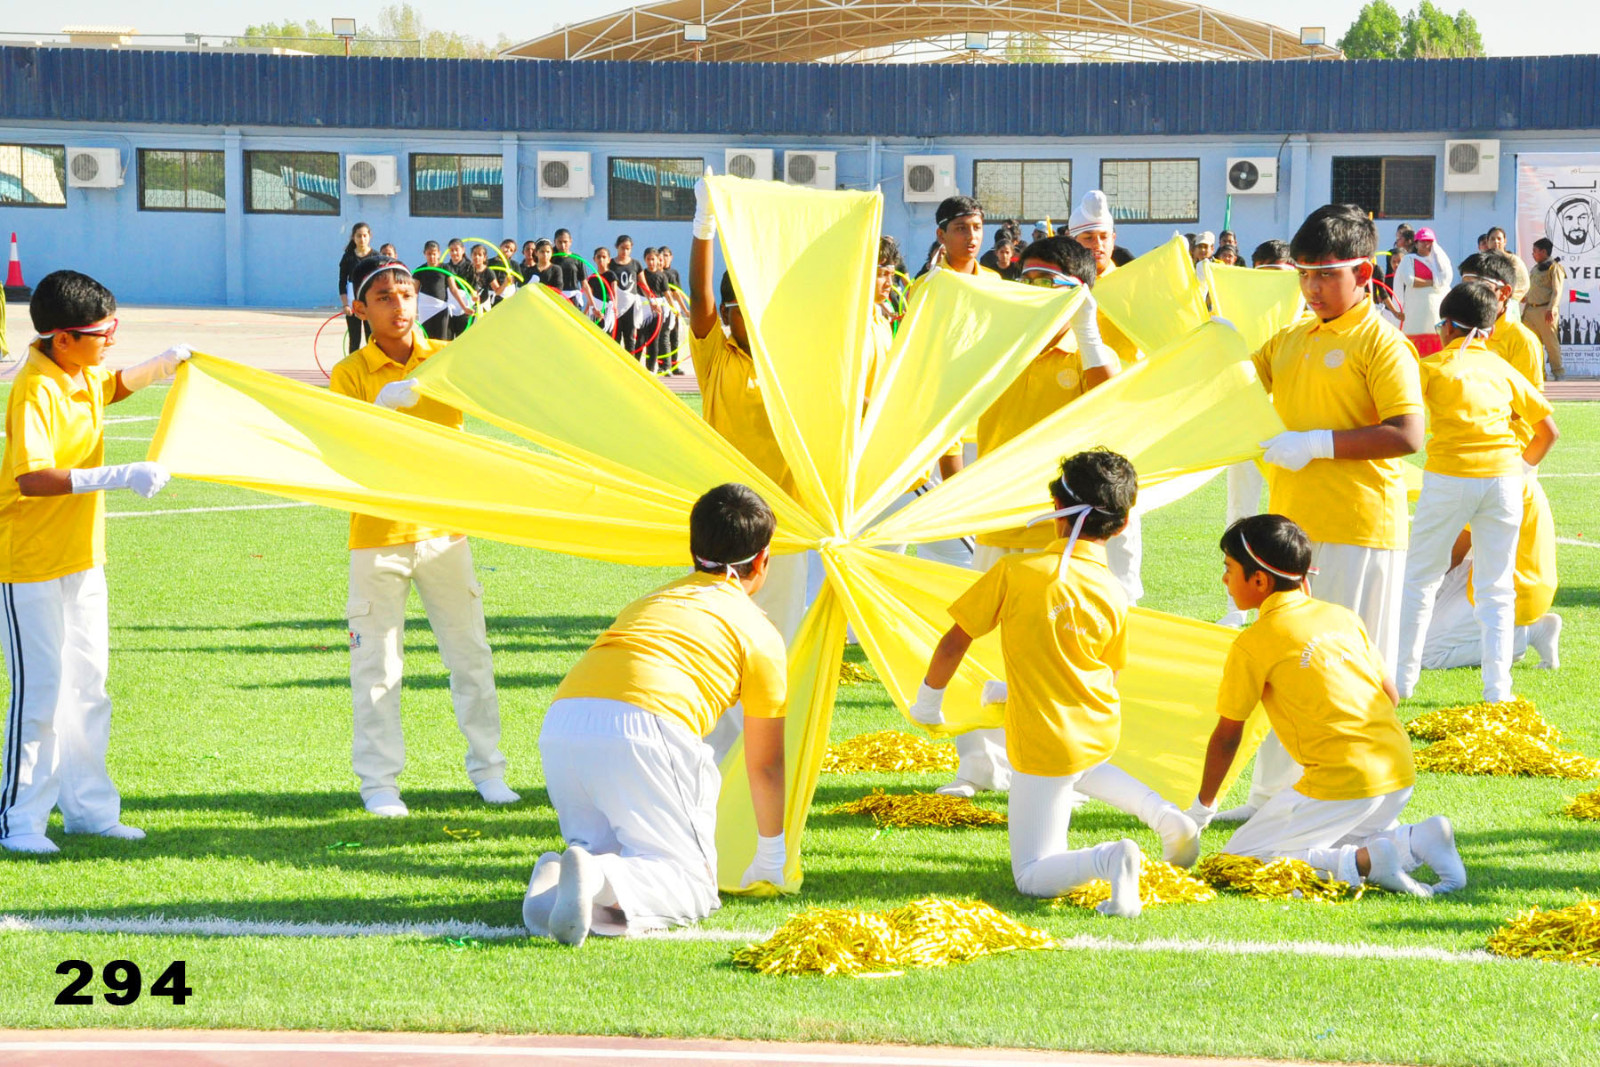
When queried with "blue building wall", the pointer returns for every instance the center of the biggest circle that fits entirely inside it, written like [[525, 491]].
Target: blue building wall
[[106, 99]]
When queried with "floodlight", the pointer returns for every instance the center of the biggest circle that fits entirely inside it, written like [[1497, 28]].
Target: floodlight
[[977, 42], [344, 27], [1313, 35], [695, 34]]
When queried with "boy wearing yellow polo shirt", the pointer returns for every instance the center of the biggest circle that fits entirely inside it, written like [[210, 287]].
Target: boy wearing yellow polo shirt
[[1329, 698], [1510, 340], [627, 760], [1063, 634], [388, 557], [1093, 227], [52, 564], [1474, 476], [1346, 385]]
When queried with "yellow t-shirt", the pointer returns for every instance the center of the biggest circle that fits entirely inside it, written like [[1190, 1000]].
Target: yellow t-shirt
[[688, 651], [52, 423], [1063, 640], [1350, 372], [361, 375], [1045, 386], [1535, 570], [730, 400], [1112, 334], [1310, 663], [1520, 347], [1472, 396]]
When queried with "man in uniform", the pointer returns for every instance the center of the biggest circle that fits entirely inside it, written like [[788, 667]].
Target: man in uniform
[[1541, 308]]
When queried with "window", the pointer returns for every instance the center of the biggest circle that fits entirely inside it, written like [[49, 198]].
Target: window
[[33, 175], [466, 186], [1152, 190], [654, 188], [180, 180], [1023, 188], [1391, 187], [292, 183]]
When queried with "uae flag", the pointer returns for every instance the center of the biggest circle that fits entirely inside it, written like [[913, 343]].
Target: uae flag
[[1577, 296]]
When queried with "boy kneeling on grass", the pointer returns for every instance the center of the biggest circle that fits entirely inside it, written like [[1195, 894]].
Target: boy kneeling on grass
[[52, 563], [1332, 704], [626, 761], [1063, 632]]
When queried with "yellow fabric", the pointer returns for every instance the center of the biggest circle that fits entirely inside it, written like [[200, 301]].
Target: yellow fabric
[[1310, 663], [1063, 638], [1535, 572], [1520, 347], [619, 460], [730, 401], [1473, 395], [361, 375], [52, 424], [688, 651], [1259, 302], [1156, 300], [1344, 374], [1112, 334]]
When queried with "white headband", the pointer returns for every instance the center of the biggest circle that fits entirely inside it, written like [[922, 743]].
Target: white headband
[[728, 568], [1076, 512], [1330, 266], [1269, 568]]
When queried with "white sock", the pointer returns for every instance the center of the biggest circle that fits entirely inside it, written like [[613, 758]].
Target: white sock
[[35, 843], [580, 884], [1433, 841], [386, 804], [958, 788], [1240, 814], [122, 833], [1180, 837], [541, 897], [1120, 862], [1385, 869], [495, 791], [1544, 634]]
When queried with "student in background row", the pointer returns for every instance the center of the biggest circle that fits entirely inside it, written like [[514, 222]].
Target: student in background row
[[358, 248], [433, 294]]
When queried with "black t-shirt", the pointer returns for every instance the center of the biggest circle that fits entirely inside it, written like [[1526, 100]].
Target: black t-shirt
[[347, 264], [674, 277], [655, 281], [432, 283], [553, 276], [574, 270], [624, 276]]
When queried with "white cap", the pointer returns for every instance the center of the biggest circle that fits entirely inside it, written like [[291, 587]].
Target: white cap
[[1092, 215], [1207, 238]]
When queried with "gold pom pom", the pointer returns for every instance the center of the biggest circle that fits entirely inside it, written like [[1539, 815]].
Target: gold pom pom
[[854, 674], [888, 750], [931, 932], [1519, 715], [919, 809], [1279, 879], [1565, 935], [1509, 738], [1584, 806], [1159, 883]]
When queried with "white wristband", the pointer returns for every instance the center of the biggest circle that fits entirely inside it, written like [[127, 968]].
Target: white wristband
[[771, 851]]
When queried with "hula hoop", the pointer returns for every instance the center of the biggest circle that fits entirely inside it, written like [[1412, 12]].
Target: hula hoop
[[593, 273], [472, 315], [314, 341], [501, 256], [660, 318]]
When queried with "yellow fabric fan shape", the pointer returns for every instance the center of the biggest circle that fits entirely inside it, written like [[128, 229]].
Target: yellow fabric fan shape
[[614, 461]]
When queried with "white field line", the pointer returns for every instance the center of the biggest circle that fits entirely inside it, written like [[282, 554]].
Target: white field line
[[214, 927], [158, 512], [1578, 543], [1573, 474], [132, 418]]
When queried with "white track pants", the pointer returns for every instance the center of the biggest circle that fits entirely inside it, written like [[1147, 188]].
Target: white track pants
[[783, 595], [1325, 833], [1368, 581], [640, 793], [380, 579], [1040, 815], [1493, 507], [56, 647], [1245, 483], [1454, 637]]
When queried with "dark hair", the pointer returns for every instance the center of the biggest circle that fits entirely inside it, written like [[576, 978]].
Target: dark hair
[[364, 272], [1223, 238], [350, 246], [1405, 230], [729, 523], [1066, 255], [1275, 541], [955, 207], [725, 290], [1492, 230], [1122, 256], [1335, 231], [541, 243], [1544, 244], [455, 242], [429, 246], [624, 237], [1273, 251], [563, 232], [649, 251], [508, 240], [64, 299], [1105, 481], [889, 253], [1496, 265], [1471, 305]]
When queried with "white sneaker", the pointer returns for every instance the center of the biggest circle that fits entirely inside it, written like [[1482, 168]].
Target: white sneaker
[[1180, 837], [1122, 863], [386, 805], [37, 844], [1433, 841], [1243, 813], [1385, 870], [495, 791], [958, 788], [580, 883], [540, 898], [1544, 637], [122, 833]]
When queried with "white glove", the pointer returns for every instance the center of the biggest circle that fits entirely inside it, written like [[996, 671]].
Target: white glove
[[144, 478], [399, 396], [994, 692], [155, 369], [771, 855], [928, 708], [705, 224], [1201, 814], [1530, 471], [1093, 351], [1293, 449]]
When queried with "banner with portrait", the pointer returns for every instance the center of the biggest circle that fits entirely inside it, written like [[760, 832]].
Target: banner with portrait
[[1558, 196]]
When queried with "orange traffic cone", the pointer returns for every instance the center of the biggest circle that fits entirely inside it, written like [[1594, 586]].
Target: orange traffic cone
[[16, 289]]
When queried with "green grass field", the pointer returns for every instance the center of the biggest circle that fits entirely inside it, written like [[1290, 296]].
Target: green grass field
[[231, 746]]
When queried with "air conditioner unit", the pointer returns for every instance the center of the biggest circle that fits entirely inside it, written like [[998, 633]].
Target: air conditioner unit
[[1471, 166], [371, 175], [929, 179], [565, 175], [814, 170], [1253, 176], [94, 168], [755, 163]]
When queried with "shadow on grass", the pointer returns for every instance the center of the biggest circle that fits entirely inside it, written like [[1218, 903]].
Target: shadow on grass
[[414, 680], [507, 633]]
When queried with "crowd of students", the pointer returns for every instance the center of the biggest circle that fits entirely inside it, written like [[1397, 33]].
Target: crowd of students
[[1344, 606]]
